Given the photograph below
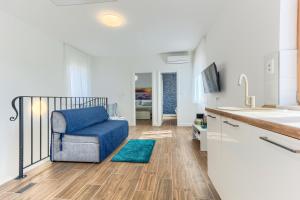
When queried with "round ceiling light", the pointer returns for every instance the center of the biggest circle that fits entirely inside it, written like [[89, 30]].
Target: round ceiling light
[[111, 19]]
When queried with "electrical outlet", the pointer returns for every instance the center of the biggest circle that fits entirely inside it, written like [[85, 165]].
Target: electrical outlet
[[270, 65]]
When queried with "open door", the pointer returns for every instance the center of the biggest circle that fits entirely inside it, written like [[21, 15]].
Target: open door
[[168, 94], [143, 98]]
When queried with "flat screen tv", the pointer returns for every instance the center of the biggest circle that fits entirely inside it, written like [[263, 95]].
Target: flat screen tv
[[211, 80]]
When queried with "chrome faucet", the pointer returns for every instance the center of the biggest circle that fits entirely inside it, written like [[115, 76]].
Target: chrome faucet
[[249, 100]]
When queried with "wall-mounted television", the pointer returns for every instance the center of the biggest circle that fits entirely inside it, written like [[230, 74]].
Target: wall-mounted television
[[211, 79]]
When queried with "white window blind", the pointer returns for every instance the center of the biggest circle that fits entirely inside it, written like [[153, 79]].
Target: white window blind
[[78, 72]]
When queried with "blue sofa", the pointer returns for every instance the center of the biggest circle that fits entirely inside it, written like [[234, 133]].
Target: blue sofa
[[85, 135]]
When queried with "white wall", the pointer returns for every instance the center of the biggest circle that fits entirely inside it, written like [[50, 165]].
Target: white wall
[[113, 77], [31, 63], [245, 33]]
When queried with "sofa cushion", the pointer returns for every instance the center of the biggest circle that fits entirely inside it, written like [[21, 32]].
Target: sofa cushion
[[67, 121], [110, 133]]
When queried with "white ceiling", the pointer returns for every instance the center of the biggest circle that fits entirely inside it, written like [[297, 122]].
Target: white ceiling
[[153, 26]]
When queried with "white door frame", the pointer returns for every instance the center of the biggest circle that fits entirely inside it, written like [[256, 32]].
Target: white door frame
[[153, 97], [160, 95]]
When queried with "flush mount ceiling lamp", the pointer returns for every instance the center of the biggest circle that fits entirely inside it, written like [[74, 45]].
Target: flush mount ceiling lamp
[[78, 2], [111, 19]]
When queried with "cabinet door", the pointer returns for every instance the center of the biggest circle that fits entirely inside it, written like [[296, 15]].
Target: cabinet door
[[233, 157], [214, 149], [275, 170]]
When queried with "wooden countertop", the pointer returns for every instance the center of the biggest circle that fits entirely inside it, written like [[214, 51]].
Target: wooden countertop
[[290, 129]]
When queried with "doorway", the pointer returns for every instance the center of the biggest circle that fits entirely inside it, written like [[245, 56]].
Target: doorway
[[169, 98], [143, 98]]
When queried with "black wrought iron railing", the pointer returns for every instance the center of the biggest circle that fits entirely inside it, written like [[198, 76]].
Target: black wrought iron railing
[[33, 114]]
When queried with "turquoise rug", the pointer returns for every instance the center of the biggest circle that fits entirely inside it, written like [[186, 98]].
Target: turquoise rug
[[135, 151]]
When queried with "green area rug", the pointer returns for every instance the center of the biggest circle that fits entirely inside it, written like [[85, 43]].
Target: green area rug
[[135, 151]]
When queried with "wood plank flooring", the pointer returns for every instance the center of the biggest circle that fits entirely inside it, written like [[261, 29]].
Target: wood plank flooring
[[177, 171]]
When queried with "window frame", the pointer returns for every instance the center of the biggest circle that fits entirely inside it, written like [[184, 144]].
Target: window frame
[[298, 54]]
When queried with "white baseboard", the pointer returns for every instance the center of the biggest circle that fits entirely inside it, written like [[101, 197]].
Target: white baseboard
[[36, 165], [25, 171], [169, 115], [156, 124], [7, 180]]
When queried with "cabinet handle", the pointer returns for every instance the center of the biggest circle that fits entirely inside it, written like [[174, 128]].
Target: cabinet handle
[[266, 139], [211, 116], [233, 125]]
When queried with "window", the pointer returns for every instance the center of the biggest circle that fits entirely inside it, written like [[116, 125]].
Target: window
[[298, 57], [200, 63], [287, 79], [78, 72]]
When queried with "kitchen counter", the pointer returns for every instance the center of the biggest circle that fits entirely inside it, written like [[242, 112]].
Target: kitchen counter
[[284, 122]]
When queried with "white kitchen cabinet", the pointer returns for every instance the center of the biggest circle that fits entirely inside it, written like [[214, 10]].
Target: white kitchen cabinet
[[214, 146], [246, 162], [233, 155], [275, 171]]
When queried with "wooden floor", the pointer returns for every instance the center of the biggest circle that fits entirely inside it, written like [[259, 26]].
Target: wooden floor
[[169, 122], [177, 171], [143, 122]]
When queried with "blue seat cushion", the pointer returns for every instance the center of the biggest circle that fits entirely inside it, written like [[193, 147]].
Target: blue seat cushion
[[77, 119], [111, 134]]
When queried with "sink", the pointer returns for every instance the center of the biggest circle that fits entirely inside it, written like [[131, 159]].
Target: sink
[[230, 108], [245, 109]]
